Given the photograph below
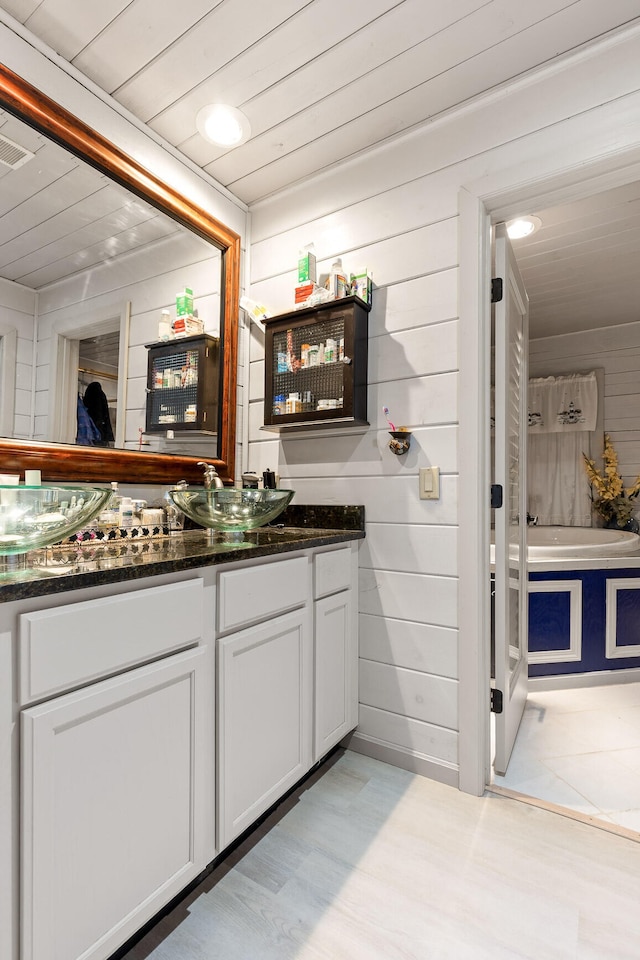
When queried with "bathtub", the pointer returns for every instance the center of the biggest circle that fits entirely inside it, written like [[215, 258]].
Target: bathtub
[[552, 542], [584, 600], [555, 543]]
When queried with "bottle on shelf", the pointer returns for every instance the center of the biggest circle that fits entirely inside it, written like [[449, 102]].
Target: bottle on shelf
[[164, 326], [337, 283]]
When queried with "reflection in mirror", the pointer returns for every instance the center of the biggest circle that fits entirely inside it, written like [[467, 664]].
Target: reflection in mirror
[[112, 250], [86, 269], [98, 362]]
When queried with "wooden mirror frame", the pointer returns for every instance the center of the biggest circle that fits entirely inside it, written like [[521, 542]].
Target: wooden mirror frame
[[66, 462]]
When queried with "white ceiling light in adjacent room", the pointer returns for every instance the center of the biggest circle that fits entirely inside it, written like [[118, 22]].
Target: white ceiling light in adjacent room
[[223, 125], [523, 227]]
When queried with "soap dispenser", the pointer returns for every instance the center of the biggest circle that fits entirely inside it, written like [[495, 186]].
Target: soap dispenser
[[269, 480]]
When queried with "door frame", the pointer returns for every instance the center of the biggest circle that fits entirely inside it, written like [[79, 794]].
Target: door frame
[[8, 363], [64, 382], [480, 205]]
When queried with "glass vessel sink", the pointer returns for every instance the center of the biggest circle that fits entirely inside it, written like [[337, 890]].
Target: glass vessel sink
[[231, 511], [34, 517]]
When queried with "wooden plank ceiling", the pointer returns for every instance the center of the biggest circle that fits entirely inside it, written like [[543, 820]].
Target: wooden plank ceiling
[[58, 216], [321, 80], [581, 267]]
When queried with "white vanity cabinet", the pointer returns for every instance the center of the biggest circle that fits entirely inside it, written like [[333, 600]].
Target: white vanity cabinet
[[116, 786], [145, 724], [287, 685], [335, 648], [265, 689]]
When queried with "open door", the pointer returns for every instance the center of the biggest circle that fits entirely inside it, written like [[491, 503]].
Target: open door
[[510, 471]]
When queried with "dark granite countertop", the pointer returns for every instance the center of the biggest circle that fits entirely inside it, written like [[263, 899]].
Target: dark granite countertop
[[95, 563]]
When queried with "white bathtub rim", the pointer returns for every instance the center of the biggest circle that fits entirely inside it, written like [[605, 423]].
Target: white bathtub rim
[[559, 543]]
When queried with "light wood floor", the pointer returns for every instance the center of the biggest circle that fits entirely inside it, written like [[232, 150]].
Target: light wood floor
[[370, 862]]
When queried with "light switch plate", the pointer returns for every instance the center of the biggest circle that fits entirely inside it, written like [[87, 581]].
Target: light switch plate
[[429, 479]]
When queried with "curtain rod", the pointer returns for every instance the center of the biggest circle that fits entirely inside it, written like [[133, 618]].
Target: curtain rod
[[98, 373]]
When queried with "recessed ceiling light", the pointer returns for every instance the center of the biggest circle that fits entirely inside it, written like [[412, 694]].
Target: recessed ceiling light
[[523, 227], [223, 125]]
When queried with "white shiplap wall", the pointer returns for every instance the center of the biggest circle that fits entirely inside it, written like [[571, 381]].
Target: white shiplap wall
[[617, 351], [395, 211], [408, 584], [17, 312]]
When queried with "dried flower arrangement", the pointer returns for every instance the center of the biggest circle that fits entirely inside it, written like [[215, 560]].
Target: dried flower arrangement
[[610, 499]]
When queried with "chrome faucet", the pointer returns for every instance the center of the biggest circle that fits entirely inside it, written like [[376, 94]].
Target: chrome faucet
[[531, 521], [211, 478]]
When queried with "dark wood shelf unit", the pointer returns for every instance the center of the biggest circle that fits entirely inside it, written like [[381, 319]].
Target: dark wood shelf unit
[[183, 385], [290, 369]]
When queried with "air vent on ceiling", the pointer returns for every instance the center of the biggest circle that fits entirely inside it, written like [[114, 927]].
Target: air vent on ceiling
[[12, 154]]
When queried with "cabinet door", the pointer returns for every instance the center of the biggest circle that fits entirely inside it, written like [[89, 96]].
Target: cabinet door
[[116, 796], [264, 718], [336, 700], [316, 365]]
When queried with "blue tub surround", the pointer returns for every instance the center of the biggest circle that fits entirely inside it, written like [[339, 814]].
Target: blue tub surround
[[584, 617]]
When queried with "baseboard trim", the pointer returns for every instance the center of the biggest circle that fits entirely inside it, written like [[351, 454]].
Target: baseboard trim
[[598, 678], [399, 757]]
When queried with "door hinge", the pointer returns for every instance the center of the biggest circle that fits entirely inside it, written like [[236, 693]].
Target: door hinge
[[496, 290], [496, 700], [496, 496]]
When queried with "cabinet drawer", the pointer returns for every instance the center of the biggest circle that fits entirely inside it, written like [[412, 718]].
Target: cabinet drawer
[[332, 572], [66, 646], [253, 594]]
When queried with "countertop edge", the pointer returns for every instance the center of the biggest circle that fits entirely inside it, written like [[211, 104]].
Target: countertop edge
[[21, 589]]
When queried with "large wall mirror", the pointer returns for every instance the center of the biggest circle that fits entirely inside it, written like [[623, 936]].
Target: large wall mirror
[[93, 249]]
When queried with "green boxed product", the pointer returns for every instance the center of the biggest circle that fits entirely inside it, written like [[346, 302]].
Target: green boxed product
[[361, 285], [184, 303], [306, 268]]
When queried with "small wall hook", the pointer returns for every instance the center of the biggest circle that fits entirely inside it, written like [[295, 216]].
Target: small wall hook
[[400, 441]]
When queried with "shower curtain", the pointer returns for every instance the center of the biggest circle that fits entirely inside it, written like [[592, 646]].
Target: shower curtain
[[562, 421]]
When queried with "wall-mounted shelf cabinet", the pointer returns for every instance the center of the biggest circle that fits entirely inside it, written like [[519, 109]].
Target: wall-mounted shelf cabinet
[[316, 367], [183, 385]]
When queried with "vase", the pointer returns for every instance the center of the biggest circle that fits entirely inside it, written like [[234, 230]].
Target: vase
[[631, 526]]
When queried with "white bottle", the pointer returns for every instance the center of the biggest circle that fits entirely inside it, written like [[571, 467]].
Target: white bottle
[[164, 326], [337, 280], [126, 512]]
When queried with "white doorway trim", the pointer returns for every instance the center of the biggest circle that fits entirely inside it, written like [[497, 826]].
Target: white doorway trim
[[64, 389], [8, 363], [479, 206]]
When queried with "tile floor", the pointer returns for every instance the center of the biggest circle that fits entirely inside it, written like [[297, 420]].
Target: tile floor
[[370, 862], [580, 748]]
